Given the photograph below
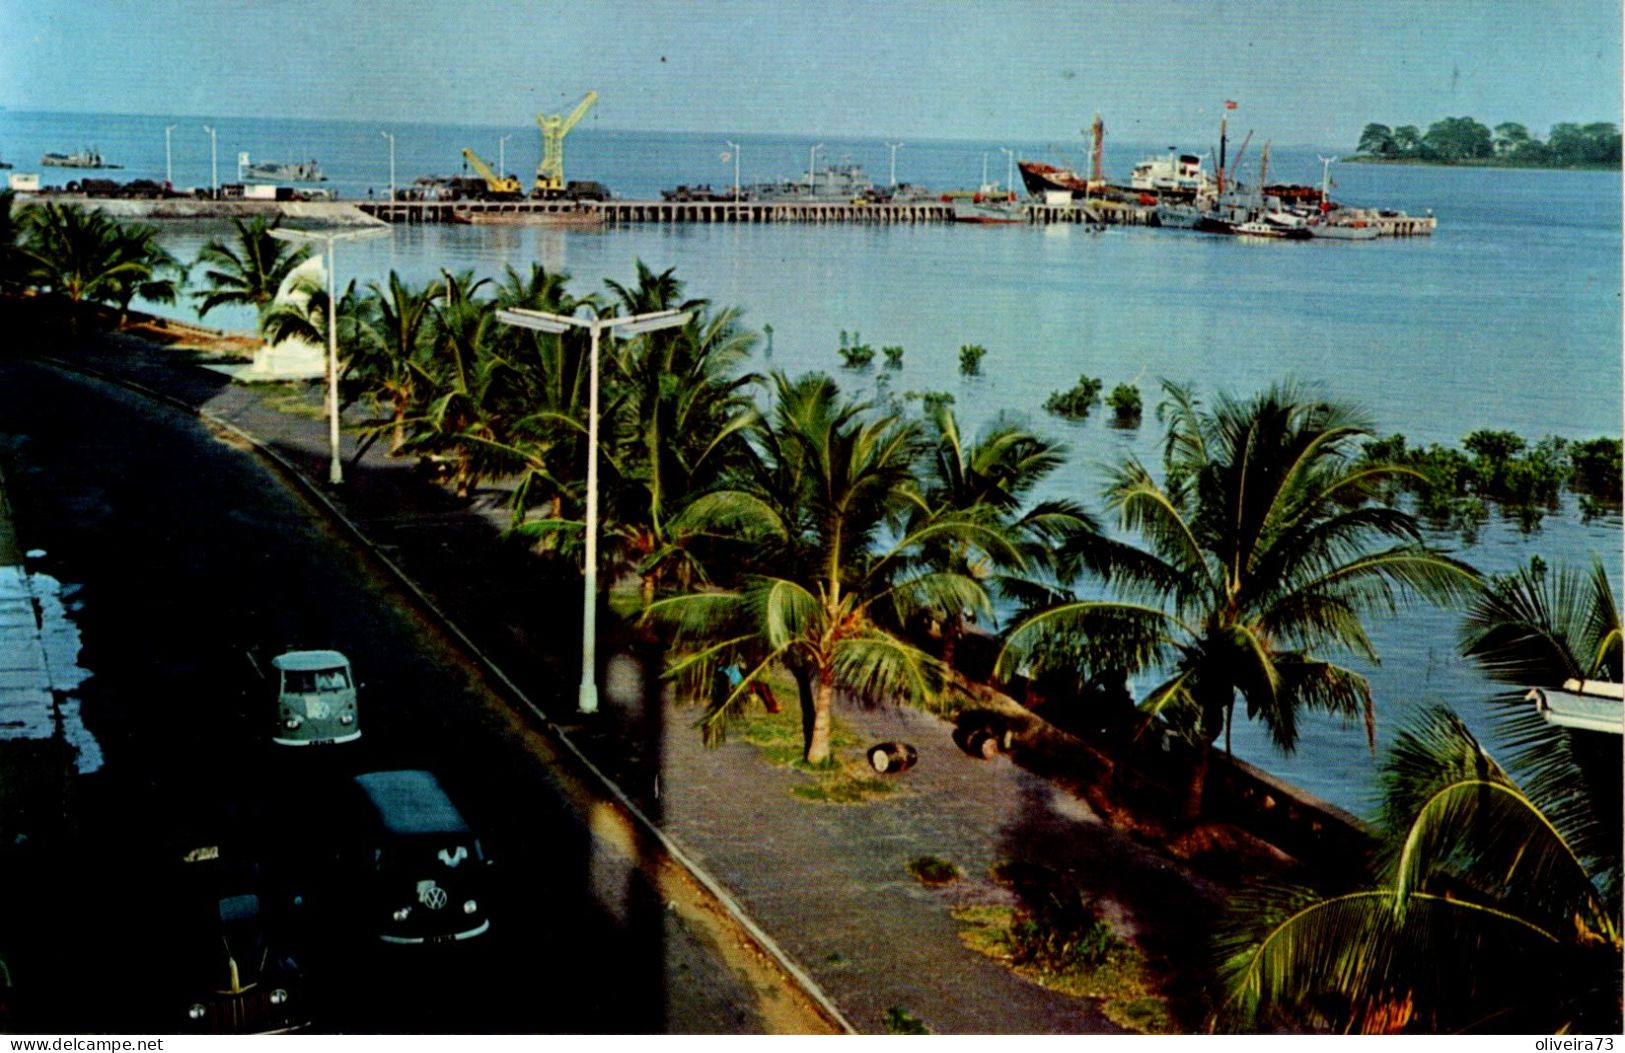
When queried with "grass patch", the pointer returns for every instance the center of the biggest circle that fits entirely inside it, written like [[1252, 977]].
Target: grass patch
[[932, 870], [295, 404], [900, 1021], [1119, 976], [841, 787], [841, 780]]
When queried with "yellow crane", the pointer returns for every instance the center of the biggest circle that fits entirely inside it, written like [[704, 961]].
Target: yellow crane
[[496, 185], [550, 173]]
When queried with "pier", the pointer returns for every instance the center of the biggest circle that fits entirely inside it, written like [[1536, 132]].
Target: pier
[[628, 212]]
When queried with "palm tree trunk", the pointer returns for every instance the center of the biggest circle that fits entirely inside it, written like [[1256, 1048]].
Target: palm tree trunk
[[823, 699], [804, 694], [1197, 786], [401, 407]]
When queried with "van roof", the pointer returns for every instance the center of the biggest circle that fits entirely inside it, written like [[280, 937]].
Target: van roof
[[411, 802], [309, 660]]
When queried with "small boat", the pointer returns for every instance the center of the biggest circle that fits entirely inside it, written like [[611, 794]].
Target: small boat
[[982, 209], [1354, 230], [1263, 228], [276, 171], [87, 158], [574, 218]]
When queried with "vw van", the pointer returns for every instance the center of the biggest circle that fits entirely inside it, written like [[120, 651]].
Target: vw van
[[422, 874], [315, 699]]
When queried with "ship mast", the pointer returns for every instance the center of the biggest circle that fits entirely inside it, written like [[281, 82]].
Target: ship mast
[[1097, 176], [1224, 123]]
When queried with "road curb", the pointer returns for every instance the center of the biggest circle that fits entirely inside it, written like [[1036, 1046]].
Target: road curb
[[313, 491]]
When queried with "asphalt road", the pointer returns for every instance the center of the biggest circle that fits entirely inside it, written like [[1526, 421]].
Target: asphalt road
[[187, 553]]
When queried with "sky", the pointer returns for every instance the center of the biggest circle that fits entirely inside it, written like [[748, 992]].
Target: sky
[[1309, 72]]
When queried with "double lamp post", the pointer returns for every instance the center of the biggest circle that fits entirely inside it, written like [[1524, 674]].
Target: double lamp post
[[631, 325]]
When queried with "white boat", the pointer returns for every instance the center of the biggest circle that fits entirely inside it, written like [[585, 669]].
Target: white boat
[[1177, 173], [1343, 231]]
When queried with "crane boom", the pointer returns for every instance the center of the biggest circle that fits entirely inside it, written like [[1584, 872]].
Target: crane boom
[[498, 185], [554, 127]]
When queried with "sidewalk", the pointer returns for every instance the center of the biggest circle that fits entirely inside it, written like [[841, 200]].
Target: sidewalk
[[827, 881]]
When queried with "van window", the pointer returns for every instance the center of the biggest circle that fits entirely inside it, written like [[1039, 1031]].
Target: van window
[[309, 681]]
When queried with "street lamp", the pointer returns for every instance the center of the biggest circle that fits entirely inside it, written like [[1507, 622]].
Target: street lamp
[[893, 148], [1010, 169], [812, 183], [391, 139], [214, 163], [335, 470], [169, 169], [541, 321], [735, 147], [502, 155]]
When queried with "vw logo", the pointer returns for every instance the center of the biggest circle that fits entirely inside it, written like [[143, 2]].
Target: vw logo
[[432, 896]]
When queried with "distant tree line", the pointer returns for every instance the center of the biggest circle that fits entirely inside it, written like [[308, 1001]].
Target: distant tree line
[[1458, 140]]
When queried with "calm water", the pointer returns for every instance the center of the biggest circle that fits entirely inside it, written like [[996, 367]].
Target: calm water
[[1509, 317]]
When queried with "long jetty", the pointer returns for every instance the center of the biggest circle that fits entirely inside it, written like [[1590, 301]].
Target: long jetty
[[627, 212]]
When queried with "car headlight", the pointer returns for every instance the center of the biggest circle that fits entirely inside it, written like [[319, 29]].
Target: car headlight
[[346, 719], [291, 723], [197, 1012], [470, 906], [402, 913], [278, 996]]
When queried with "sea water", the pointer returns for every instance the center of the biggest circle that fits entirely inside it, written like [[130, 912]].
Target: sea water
[[1507, 318]]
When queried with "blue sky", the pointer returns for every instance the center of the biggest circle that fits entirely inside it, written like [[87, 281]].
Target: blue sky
[[1303, 71]]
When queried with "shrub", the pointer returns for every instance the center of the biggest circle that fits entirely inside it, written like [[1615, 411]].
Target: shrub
[[857, 356], [1125, 404], [900, 1021], [1076, 403], [931, 870], [1595, 468], [1061, 931], [894, 357], [970, 359]]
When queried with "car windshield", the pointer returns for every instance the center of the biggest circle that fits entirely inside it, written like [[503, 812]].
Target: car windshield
[[423, 855], [311, 681]]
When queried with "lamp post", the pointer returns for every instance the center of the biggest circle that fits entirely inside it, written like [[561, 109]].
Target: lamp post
[[893, 147], [391, 139], [541, 321], [1009, 169], [502, 155], [335, 468], [735, 147], [169, 169], [812, 182], [214, 163]]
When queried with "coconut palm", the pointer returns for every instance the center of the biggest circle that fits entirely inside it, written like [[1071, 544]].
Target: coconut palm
[[248, 271], [157, 275], [825, 507], [651, 292], [1540, 627], [1487, 917], [11, 232], [990, 479], [84, 257], [680, 420], [392, 348], [1264, 547]]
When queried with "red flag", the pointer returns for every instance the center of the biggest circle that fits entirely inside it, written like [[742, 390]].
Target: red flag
[[1229, 104]]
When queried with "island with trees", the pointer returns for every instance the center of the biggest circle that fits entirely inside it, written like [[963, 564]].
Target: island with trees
[[1464, 141]]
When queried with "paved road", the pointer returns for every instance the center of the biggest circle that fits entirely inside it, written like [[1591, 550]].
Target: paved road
[[187, 552]]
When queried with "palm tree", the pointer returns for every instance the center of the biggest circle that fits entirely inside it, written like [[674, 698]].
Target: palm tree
[[391, 351], [825, 506], [1488, 916], [84, 257], [11, 232], [1265, 545], [680, 423], [989, 480], [158, 275], [1540, 627], [249, 271]]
